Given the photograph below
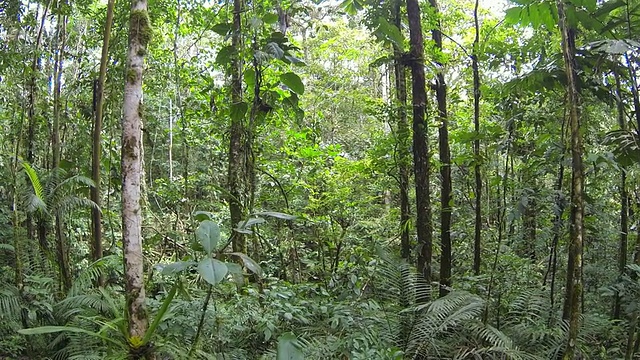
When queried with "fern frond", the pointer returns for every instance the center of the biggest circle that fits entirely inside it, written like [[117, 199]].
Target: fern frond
[[69, 203], [7, 247], [34, 179]]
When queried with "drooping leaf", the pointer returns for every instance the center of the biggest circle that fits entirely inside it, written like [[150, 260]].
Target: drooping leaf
[[221, 29], [176, 267], [236, 273], [208, 234], [212, 270], [270, 18], [224, 55], [277, 215], [249, 263], [293, 82], [239, 110], [389, 32], [273, 48], [352, 7], [289, 348]]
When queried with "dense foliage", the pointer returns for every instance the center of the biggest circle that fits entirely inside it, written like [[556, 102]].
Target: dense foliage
[[294, 204]]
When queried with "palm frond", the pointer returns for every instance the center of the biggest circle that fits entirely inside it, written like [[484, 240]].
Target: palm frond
[[69, 203], [34, 179]]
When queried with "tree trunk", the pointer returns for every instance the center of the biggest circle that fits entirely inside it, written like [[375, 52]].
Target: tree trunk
[[624, 200], [62, 249], [420, 143], [446, 201], [571, 311], [477, 243], [236, 153], [139, 35], [96, 216], [404, 159]]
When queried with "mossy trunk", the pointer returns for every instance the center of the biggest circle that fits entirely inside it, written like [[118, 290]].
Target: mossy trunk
[[571, 311], [139, 35]]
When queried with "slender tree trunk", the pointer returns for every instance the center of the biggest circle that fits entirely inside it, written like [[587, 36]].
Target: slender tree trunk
[[477, 238], [624, 201], [31, 108], [236, 153], [62, 249], [446, 200], [420, 143], [139, 36], [404, 155], [571, 311], [96, 216]]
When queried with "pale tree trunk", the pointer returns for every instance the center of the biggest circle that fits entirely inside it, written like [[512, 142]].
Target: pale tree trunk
[[404, 156], [96, 216], [446, 201], [477, 243], [62, 247], [420, 144], [571, 312], [139, 36], [235, 177]]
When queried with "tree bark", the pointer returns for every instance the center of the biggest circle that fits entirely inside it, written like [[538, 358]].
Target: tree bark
[[404, 155], [446, 200], [236, 153], [477, 237], [96, 216], [420, 143], [624, 201], [571, 311], [62, 247], [139, 36]]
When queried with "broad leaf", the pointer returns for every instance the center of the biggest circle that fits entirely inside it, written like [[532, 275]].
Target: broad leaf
[[277, 215], [270, 18], [293, 82], [289, 348], [221, 29], [176, 267], [224, 55], [239, 110], [249, 263], [212, 271], [389, 32], [208, 234], [274, 50]]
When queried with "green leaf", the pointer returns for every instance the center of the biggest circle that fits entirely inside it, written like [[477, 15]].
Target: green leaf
[[289, 348], [389, 32], [250, 78], [238, 110], [221, 29], [212, 271], [293, 82], [277, 215], [176, 267], [237, 276], [208, 234], [249, 263], [270, 18], [54, 329], [351, 7], [224, 55], [202, 215], [274, 49]]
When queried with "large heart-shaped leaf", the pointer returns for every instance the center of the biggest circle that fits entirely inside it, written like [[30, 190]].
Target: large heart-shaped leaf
[[212, 271], [208, 234], [293, 82]]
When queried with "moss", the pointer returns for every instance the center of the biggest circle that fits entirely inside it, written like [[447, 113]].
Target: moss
[[141, 27], [141, 110], [132, 76]]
